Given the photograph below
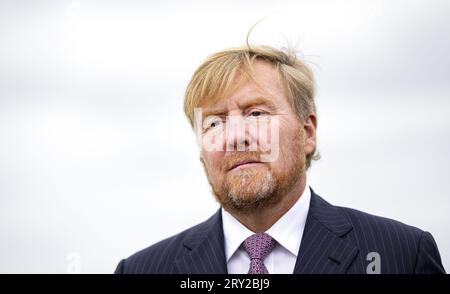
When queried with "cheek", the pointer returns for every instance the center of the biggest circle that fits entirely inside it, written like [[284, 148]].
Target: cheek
[[291, 144], [213, 161]]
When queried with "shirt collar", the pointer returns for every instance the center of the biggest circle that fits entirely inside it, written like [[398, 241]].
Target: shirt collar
[[288, 230]]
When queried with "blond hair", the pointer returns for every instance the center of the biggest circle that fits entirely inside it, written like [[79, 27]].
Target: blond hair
[[215, 78]]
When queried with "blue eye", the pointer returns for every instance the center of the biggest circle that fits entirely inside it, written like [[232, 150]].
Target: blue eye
[[256, 113], [215, 123]]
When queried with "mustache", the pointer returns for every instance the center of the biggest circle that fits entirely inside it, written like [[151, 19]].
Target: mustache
[[231, 159]]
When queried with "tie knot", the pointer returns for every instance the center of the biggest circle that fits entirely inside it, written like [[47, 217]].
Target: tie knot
[[258, 246]]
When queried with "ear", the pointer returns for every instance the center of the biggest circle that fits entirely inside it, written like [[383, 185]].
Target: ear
[[309, 129]]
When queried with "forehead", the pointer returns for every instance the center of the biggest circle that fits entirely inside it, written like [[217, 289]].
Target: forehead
[[266, 87]]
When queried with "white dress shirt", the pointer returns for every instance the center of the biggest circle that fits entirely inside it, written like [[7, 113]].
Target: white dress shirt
[[287, 231]]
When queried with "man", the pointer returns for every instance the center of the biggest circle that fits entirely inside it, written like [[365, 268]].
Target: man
[[253, 111]]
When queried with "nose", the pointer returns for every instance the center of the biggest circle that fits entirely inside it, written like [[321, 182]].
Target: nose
[[237, 137]]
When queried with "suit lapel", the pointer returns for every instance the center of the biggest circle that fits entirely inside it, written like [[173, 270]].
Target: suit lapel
[[205, 249], [323, 249]]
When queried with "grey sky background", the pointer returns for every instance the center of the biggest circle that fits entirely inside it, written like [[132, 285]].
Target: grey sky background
[[97, 160]]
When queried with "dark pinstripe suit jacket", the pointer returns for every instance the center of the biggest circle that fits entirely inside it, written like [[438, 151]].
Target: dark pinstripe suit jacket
[[335, 240]]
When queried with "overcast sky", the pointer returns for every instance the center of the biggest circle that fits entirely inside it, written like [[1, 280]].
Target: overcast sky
[[97, 160]]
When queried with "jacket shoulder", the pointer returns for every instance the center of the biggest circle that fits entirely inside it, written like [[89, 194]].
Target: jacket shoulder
[[363, 221], [159, 258], [402, 248]]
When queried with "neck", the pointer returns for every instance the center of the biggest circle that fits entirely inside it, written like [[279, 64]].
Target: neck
[[261, 220]]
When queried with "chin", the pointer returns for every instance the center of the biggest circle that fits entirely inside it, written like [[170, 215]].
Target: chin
[[250, 188]]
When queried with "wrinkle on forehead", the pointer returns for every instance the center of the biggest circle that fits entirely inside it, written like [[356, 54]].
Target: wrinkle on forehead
[[257, 87], [231, 81]]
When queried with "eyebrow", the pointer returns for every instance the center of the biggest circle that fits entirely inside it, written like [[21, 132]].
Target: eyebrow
[[260, 100]]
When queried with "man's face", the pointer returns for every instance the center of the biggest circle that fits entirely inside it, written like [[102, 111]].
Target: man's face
[[240, 177]]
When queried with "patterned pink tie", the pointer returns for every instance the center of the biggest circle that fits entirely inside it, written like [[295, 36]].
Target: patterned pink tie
[[258, 246]]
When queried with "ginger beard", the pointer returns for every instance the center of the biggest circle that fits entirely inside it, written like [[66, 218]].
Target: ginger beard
[[246, 190]]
